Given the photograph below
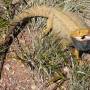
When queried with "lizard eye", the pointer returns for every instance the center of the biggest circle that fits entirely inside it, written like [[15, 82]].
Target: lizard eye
[[83, 37]]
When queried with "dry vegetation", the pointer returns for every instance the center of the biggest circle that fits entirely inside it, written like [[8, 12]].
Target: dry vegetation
[[46, 56]]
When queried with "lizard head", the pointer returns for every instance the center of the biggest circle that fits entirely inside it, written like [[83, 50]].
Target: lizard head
[[81, 40]]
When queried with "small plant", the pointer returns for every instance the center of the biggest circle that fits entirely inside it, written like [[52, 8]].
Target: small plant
[[47, 56], [80, 77], [3, 23], [3, 26], [7, 2]]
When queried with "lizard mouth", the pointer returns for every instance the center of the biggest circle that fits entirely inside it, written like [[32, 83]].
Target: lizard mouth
[[81, 43], [83, 38]]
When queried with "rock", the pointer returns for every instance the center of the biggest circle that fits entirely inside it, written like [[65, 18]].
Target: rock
[[15, 1], [2, 8], [86, 57], [7, 67]]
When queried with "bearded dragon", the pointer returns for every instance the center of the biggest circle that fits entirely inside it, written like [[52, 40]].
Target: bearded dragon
[[63, 23]]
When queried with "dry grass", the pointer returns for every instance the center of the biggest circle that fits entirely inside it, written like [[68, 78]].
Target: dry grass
[[47, 55]]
